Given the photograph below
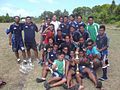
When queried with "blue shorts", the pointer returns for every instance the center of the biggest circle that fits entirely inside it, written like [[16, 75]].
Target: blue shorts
[[31, 45], [57, 74], [84, 74], [17, 45], [104, 53]]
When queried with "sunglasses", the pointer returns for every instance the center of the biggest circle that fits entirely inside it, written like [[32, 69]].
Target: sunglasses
[[89, 44]]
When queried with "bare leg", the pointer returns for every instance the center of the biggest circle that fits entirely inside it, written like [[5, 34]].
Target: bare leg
[[17, 55], [59, 83], [29, 53], [69, 78], [79, 80], [36, 53], [44, 71], [91, 75], [24, 54], [54, 79]]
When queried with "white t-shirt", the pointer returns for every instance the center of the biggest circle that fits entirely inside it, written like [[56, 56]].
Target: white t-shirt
[[56, 25]]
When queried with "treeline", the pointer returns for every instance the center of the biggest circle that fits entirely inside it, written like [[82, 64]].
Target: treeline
[[6, 19], [106, 13]]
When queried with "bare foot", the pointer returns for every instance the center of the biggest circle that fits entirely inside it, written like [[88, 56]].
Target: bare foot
[[81, 87]]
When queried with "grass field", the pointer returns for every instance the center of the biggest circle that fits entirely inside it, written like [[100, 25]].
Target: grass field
[[9, 69]]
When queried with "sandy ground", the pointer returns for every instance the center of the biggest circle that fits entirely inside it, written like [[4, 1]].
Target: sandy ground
[[9, 69]]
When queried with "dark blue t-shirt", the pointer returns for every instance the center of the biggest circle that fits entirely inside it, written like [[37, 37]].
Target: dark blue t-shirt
[[29, 32], [52, 55], [65, 28], [16, 31], [74, 23]]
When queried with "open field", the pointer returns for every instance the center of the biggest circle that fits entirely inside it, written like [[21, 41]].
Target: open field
[[9, 69]]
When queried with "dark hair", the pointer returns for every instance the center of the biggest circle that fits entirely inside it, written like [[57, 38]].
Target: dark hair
[[67, 36], [72, 26], [82, 25], [90, 17], [59, 29], [16, 16], [56, 44], [72, 15], [60, 17], [90, 41], [65, 16], [60, 53], [102, 26], [80, 16], [28, 17]]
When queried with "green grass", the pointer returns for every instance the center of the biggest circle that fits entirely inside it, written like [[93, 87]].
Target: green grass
[[9, 69]]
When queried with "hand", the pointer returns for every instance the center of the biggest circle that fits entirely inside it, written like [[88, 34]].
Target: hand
[[76, 61], [10, 43]]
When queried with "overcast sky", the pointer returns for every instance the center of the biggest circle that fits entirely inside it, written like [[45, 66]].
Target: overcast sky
[[36, 7]]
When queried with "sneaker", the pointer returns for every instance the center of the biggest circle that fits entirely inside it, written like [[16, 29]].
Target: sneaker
[[103, 78], [29, 60], [31, 65], [25, 62], [22, 71], [18, 60], [40, 80], [48, 87], [65, 86], [99, 84], [46, 84]]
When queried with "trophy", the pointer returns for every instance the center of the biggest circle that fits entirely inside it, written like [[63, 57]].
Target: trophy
[[77, 59]]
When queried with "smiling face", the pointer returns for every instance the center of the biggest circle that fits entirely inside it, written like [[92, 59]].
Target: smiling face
[[61, 57], [54, 18], [89, 45], [50, 41], [67, 39], [101, 31], [79, 19], [90, 21], [28, 20], [17, 19], [81, 28]]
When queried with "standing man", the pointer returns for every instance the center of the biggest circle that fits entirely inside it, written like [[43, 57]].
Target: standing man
[[92, 28], [79, 21], [65, 26], [29, 38], [55, 23], [15, 38], [72, 21]]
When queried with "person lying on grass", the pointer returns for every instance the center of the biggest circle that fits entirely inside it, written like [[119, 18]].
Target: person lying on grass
[[60, 70]]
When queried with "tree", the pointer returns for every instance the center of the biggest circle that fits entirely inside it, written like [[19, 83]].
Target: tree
[[65, 13], [112, 7], [46, 14]]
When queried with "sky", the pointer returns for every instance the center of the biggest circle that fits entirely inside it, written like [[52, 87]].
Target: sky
[[36, 7]]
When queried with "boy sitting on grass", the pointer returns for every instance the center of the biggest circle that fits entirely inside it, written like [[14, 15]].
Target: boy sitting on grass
[[60, 68]]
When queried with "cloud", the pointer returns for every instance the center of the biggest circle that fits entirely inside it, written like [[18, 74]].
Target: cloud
[[15, 11], [33, 1], [50, 1]]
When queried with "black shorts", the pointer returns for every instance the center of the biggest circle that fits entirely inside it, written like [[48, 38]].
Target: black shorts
[[31, 45]]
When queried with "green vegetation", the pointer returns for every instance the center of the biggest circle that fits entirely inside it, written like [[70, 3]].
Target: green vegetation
[[106, 13]]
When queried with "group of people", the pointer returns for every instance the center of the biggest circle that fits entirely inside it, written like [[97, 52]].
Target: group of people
[[69, 49]]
